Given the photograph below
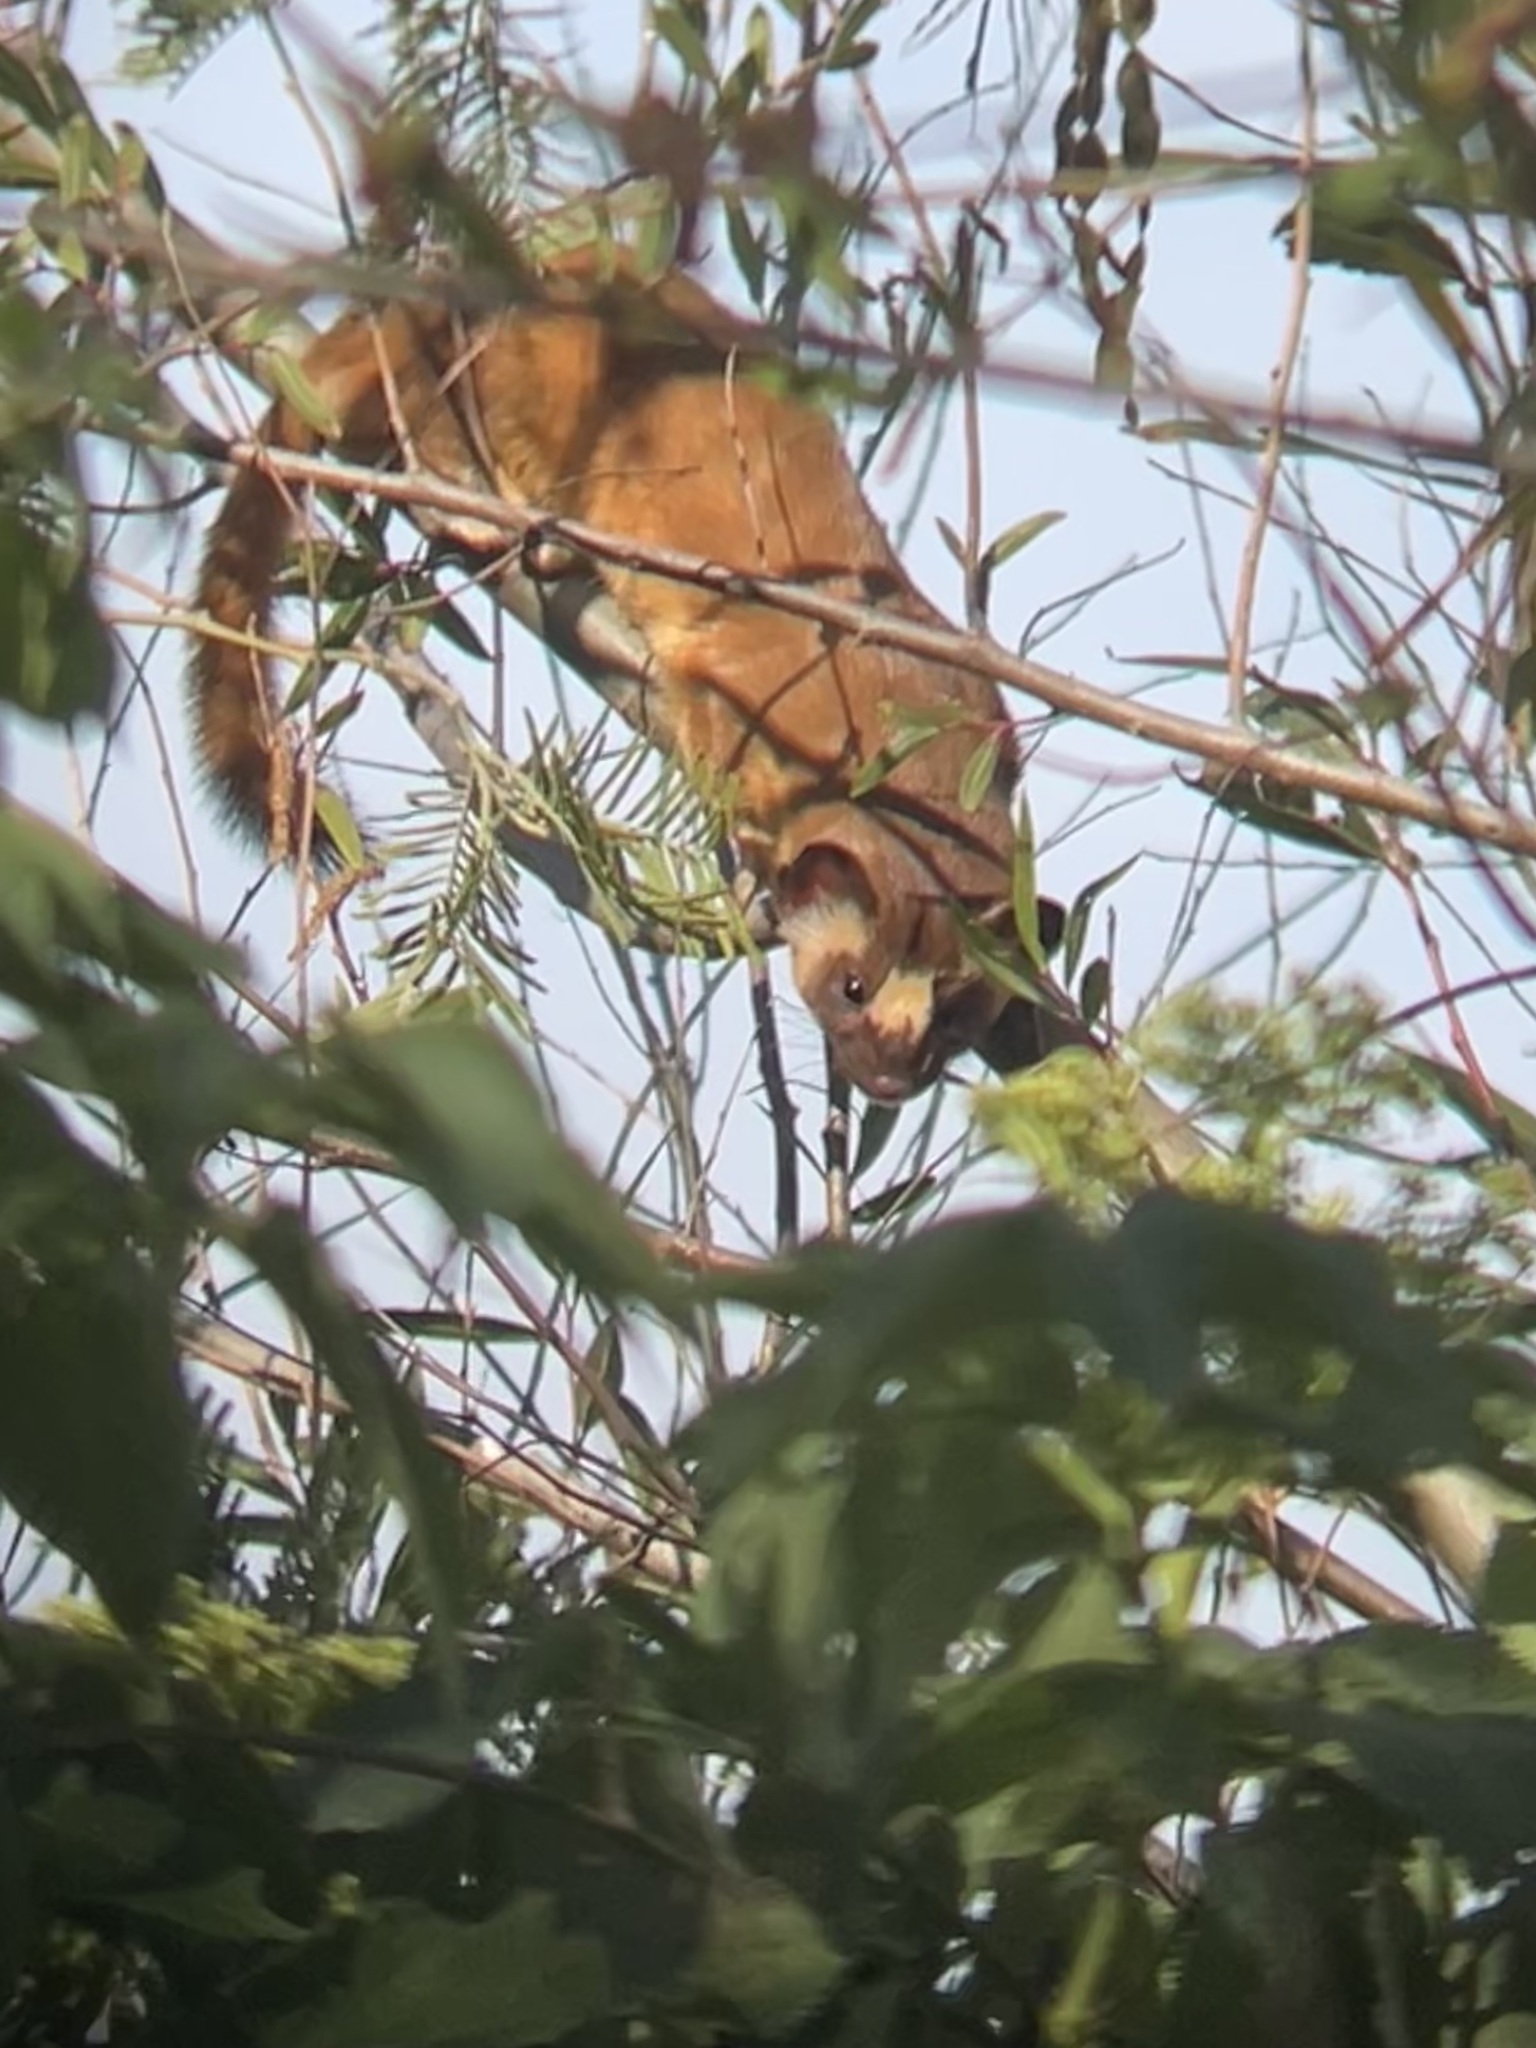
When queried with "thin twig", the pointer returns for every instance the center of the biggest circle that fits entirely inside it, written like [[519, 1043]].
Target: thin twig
[[1241, 639], [633, 1546]]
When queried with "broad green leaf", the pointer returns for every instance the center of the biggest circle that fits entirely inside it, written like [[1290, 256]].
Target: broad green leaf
[[96, 1438], [452, 1104], [228, 1908], [773, 1562], [765, 1957], [350, 1795], [88, 1837], [942, 1292], [419, 1980], [61, 907], [1182, 1265], [1509, 2030]]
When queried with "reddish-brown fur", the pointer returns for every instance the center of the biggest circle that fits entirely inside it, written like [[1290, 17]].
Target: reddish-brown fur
[[646, 411]]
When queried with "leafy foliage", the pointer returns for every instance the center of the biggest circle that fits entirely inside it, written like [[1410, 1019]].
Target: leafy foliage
[[937, 1685]]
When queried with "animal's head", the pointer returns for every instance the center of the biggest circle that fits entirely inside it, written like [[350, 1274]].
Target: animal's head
[[879, 960]]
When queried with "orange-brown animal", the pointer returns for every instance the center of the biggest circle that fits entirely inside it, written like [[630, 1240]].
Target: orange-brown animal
[[646, 410]]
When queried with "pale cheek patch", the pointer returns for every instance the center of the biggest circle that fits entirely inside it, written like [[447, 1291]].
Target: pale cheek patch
[[828, 929], [902, 1008]]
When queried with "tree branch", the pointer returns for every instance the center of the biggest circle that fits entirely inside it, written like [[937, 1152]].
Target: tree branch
[[464, 511]]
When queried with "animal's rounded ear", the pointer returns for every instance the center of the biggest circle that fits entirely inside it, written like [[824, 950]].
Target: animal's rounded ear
[[821, 873], [1051, 922]]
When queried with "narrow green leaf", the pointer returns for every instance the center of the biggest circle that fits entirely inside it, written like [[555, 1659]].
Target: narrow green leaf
[[1026, 905], [294, 388], [388, 1420], [1076, 932], [978, 774], [674, 28], [951, 540], [1013, 539]]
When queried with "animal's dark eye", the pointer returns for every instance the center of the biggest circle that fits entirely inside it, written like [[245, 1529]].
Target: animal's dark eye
[[854, 990]]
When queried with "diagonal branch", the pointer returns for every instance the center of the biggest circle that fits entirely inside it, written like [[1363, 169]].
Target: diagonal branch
[[1348, 782]]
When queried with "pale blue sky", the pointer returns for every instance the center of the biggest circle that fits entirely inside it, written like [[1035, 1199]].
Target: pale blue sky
[[240, 157]]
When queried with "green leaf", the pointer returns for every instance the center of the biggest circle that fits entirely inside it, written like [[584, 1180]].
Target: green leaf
[[979, 773], [1179, 1266], [877, 1126], [1520, 698], [453, 623], [1508, 2030], [1443, 1730], [388, 1420], [60, 905], [1111, 1967], [288, 380], [1507, 1595], [748, 248], [1093, 995], [228, 1908], [334, 817], [1036, 1762], [1290, 813], [1358, 223], [765, 1956], [1014, 539], [89, 1838], [1499, 1120], [780, 1563], [17, 1920], [851, 56], [909, 732], [96, 1438], [452, 1104], [1026, 904], [1082, 909], [21, 86], [1313, 723], [680, 35], [942, 1292], [350, 1795], [420, 1980], [55, 656]]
